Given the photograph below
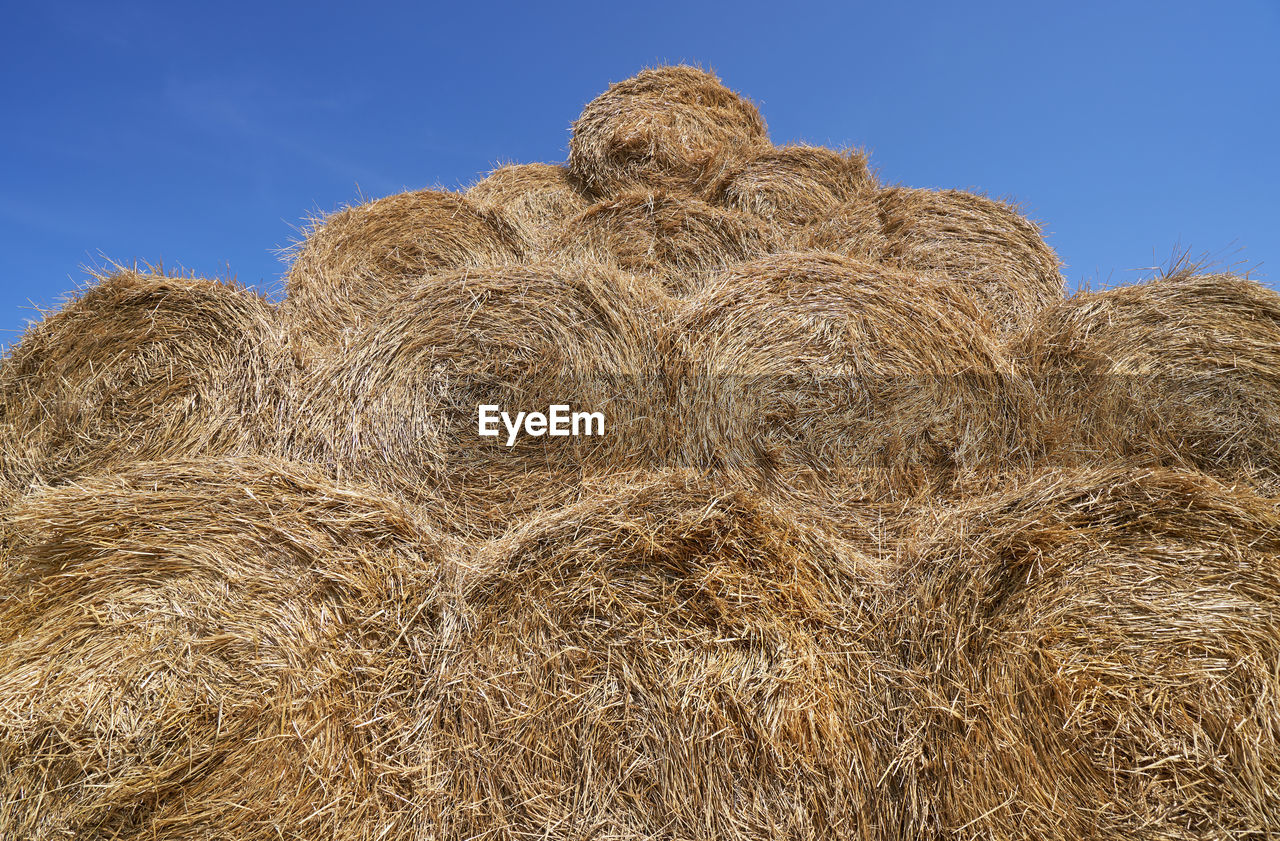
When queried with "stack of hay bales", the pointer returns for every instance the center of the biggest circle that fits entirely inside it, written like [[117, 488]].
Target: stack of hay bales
[[884, 538]]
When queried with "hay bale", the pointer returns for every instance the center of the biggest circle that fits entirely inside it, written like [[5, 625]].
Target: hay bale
[[822, 374], [796, 187], [984, 246], [214, 649], [851, 230], [1096, 654], [1182, 371], [677, 240], [664, 128], [537, 198], [671, 660], [399, 404], [354, 260], [143, 366]]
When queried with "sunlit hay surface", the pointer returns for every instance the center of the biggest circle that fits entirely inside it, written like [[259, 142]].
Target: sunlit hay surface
[[677, 240], [852, 229], [675, 659], [141, 366], [399, 404], [984, 246], [213, 648], [796, 187], [828, 375], [1096, 657], [668, 128], [537, 198], [1181, 371], [352, 261], [883, 540]]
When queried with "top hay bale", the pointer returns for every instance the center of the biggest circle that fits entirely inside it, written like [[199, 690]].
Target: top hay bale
[[353, 261], [537, 198], [214, 649], [143, 366], [1095, 656], [668, 659], [665, 128], [831, 376], [984, 246], [1182, 371]]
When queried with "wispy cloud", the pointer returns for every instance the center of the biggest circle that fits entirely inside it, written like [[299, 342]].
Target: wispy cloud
[[243, 109]]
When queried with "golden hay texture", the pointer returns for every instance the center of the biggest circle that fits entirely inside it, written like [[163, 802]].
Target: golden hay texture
[[984, 246], [821, 373], [353, 261], [399, 405], [853, 229], [1096, 657], [1182, 371], [796, 186], [665, 128], [677, 240], [142, 366], [537, 198], [883, 539], [213, 649], [672, 660]]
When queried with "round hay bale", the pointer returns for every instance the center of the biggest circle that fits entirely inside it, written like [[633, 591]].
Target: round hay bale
[[985, 246], [537, 198], [143, 366], [851, 230], [214, 649], [816, 373], [399, 405], [671, 660], [354, 260], [1096, 657], [1182, 371], [664, 128], [677, 240], [795, 187]]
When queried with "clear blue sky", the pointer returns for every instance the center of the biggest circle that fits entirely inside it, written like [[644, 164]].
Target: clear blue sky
[[201, 134]]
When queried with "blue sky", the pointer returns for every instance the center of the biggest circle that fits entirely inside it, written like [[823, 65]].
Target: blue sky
[[200, 136]]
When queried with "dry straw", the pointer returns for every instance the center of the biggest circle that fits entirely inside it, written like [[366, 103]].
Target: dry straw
[[398, 404], [665, 128], [984, 246], [796, 187], [883, 539], [214, 649], [824, 374], [1095, 657], [353, 261], [853, 230], [677, 240], [142, 366], [1182, 371], [672, 660], [537, 198]]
